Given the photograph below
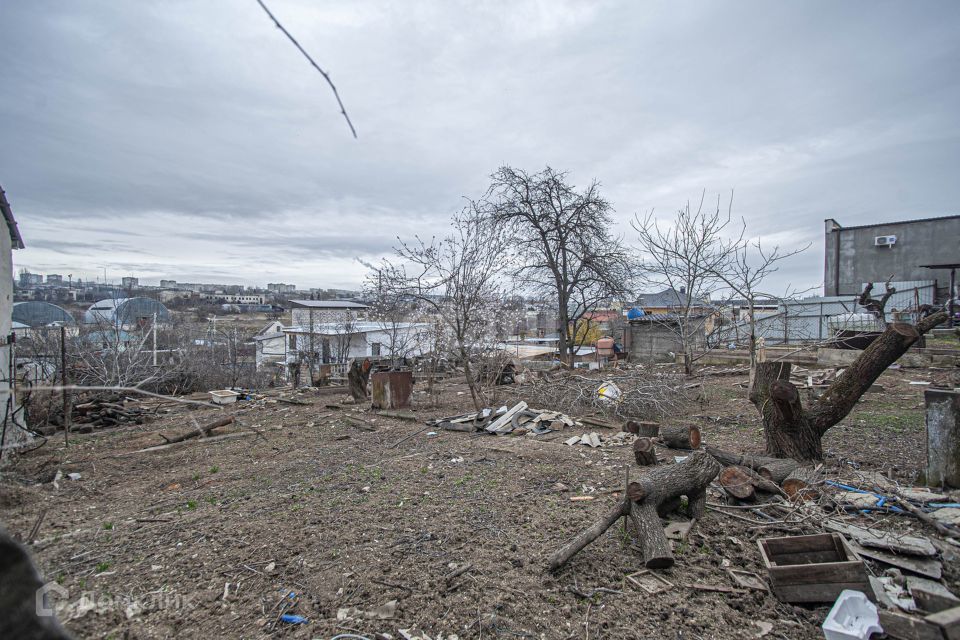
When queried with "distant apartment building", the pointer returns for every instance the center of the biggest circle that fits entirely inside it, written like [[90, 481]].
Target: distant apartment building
[[28, 279], [279, 287], [129, 282], [54, 278], [168, 284], [233, 298]]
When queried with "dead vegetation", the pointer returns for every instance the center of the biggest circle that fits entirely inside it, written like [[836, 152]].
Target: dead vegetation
[[377, 523]]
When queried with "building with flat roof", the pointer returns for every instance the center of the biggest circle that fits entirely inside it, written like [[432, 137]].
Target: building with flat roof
[[875, 253]]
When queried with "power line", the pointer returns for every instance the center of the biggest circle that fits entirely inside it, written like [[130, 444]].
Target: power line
[[326, 76]]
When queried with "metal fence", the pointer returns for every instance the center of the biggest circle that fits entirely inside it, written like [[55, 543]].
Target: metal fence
[[817, 319]]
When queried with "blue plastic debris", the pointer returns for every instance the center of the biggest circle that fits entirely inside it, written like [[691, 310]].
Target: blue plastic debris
[[881, 499], [291, 618]]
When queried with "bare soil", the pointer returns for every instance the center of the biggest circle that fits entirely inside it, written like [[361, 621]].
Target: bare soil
[[208, 539]]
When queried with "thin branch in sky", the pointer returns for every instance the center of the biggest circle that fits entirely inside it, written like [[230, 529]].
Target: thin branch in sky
[[326, 76]]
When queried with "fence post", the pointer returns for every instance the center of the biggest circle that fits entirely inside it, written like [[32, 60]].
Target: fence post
[[63, 384]]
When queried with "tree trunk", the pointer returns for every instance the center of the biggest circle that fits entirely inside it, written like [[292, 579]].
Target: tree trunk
[[357, 377], [741, 459], [736, 483], [653, 541], [657, 491], [802, 483], [778, 469], [680, 437], [644, 452], [791, 431]]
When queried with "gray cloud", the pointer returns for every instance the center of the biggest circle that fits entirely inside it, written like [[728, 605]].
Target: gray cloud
[[184, 138]]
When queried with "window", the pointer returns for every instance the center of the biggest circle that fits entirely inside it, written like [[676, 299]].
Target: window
[[375, 349]]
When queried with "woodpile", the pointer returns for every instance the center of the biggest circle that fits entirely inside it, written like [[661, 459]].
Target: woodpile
[[106, 412]]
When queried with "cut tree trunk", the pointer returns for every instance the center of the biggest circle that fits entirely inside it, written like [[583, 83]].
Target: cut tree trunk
[[794, 432], [778, 469], [736, 483], [803, 483], [644, 502], [644, 452], [357, 377], [741, 459], [742, 483], [201, 431], [680, 437], [643, 428]]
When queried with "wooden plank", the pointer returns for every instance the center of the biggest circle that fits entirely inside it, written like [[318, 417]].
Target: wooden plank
[[904, 627], [909, 545], [948, 621], [796, 544], [815, 592], [931, 596], [921, 566], [807, 557], [825, 572]]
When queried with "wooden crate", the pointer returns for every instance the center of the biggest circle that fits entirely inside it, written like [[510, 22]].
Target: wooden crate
[[813, 568]]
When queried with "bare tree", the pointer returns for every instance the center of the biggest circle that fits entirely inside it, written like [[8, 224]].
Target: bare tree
[[458, 278], [685, 256], [564, 242], [743, 265], [398, 316]]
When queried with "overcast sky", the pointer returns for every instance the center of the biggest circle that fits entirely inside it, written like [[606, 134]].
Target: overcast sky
[[189, 139]]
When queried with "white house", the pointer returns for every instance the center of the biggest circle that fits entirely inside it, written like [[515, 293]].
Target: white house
[[332, 343], [13, 437], [271, 343]]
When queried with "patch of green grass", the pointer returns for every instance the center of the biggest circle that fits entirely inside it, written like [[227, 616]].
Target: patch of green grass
[[196, 477], [102, 566], [212, 499], [214, 469], [191, 505], [107, 526], [898, 421]]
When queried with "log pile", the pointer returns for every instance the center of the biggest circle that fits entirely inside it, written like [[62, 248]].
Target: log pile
[[106, 412]]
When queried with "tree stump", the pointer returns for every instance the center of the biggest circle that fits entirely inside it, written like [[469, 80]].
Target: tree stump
[[943, 437], [791, 431], [644, 452], [357, 377], [680, 437]]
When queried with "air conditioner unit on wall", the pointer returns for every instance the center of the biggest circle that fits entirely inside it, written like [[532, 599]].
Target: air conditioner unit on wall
[[884, 241]]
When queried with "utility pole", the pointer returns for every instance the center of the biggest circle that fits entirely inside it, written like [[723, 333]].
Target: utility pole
[[154, 339], [63, 384]]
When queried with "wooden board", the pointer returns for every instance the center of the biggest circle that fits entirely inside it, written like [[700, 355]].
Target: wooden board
[[908, 545], [922, 566], [904, 627]]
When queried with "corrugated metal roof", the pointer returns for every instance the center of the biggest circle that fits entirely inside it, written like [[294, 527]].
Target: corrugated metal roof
[[328, 304]]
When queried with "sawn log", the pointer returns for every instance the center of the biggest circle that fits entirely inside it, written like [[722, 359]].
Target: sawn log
[[643, 504]]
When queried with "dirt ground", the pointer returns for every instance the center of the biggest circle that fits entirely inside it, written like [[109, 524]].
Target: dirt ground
[[306, 513]]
